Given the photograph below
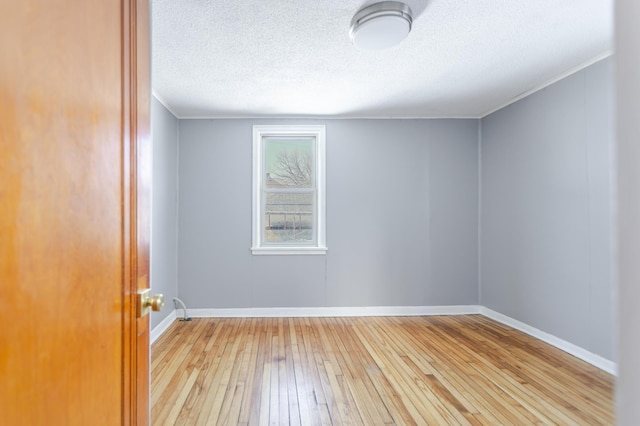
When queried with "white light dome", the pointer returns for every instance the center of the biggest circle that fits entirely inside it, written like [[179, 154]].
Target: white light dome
[[381, 25]]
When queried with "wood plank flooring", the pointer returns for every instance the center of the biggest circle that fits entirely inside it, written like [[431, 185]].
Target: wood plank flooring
[[436, 370]]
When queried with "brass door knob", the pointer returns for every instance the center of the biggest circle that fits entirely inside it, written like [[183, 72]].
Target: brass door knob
[[155, 302], [146, 302]]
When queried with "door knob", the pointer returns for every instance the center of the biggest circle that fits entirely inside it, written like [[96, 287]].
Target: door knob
[[155, 302], [147, 303]]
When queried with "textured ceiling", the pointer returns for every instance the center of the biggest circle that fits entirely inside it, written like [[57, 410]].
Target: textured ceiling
[[294, 58]]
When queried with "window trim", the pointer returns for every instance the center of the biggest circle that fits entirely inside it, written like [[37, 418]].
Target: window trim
[[257, 221]]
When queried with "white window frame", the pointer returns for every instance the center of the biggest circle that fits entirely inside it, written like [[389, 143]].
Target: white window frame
[[258, 247]]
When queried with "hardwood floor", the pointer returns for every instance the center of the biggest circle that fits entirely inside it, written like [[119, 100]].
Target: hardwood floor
[[436, 370]]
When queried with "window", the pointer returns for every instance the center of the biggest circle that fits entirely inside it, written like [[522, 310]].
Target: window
[[288, 190]]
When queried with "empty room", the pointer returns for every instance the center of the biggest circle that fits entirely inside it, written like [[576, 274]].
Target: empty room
[[383, 213], [319, 212]]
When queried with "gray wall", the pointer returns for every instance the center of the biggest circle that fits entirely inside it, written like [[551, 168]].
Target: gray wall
[[402, 203], [546, 215], [628, 103], [164, 209]]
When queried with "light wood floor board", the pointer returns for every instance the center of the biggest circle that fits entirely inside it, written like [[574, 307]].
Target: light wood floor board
[[437, 370]]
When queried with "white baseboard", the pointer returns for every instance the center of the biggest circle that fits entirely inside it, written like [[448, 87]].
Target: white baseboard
[[162, 327], [365, 311], [359, 311], [593, 359]]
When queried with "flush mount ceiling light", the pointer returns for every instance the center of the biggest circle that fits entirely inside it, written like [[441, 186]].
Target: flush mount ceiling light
[[381, 25]]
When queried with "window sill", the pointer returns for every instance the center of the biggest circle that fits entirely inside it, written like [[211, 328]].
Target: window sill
[[269, 251]]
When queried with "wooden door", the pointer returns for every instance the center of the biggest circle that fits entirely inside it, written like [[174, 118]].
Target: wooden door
[[71, 79], [141, 199]]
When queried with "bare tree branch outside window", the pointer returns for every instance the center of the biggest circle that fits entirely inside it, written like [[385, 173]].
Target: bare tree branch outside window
[[294, 168]]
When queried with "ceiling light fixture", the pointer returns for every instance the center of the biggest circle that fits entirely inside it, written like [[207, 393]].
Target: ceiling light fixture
[[381, 25]]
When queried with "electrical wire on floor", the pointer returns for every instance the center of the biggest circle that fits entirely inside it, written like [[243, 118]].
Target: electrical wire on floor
[[177, 302]]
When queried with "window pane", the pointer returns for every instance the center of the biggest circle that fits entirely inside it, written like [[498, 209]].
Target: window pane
[[289, 162], [289, 217]]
